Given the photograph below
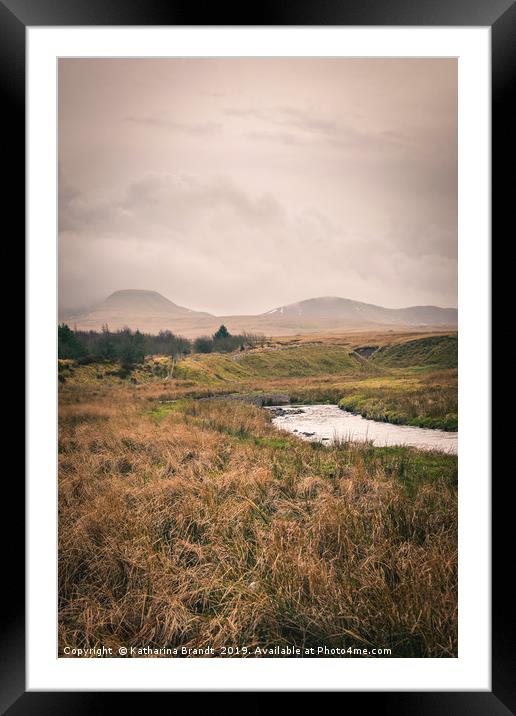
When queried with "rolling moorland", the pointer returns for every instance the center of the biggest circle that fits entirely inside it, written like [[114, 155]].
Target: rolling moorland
[[187, 519], [151, 312]]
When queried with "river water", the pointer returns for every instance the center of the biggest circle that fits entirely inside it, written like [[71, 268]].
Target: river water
[[326, 423]]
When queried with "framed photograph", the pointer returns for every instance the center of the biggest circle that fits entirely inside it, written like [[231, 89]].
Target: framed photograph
[[259, 320]]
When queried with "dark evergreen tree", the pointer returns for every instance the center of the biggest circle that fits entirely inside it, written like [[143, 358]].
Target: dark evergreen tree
[[105, 345], [68, 344], [221, 333]]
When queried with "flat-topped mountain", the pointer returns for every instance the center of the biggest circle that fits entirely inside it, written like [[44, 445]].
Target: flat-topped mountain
[[135, 308], [151, 312], [136, 301]]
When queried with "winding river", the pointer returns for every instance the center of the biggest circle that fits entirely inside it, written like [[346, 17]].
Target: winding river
[[326, 423]]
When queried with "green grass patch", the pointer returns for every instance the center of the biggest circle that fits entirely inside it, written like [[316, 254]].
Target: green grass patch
[[416, 467], [426, 401], [161, 411], [292, 362], [435, 351]]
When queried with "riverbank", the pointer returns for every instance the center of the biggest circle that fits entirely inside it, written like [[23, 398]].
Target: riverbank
[[329, 424], [422, 393], [426, 400]]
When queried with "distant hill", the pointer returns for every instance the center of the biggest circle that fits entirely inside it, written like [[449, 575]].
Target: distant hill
[[151, 312], [331, 307], [147, 310], [148, 303]]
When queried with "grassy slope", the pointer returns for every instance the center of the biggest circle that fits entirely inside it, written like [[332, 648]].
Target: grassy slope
[[288, 362], [413, 382], [380, 388], [434, 351], [196, 524], [426, 395]]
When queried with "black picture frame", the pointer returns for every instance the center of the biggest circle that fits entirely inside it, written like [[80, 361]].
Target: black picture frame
[[500, 16]]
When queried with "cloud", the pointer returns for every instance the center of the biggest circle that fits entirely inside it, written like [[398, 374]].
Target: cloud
[[279, 138], [299, 126], [235, 185], [161, 121], [191, 237], [210, 245], [158, 201]]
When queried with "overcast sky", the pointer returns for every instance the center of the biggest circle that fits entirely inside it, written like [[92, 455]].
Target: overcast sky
[[238, 185]]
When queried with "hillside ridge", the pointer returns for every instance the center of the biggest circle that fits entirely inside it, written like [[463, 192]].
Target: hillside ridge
[[150, 311]]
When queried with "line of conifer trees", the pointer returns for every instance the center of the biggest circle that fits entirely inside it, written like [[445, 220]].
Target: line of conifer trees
[[130, 347]]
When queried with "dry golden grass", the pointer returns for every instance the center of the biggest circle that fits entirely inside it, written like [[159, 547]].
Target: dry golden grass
[[198, 524], [357, 338]]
